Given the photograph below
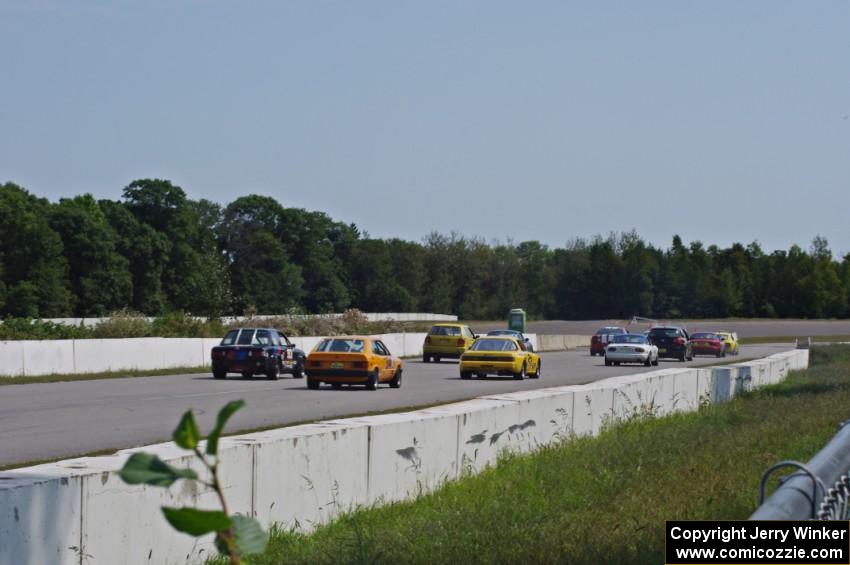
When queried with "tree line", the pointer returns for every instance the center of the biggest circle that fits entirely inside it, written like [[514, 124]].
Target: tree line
[[157, 251]]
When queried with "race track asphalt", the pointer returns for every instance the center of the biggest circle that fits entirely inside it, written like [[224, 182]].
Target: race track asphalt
[[59, 420]]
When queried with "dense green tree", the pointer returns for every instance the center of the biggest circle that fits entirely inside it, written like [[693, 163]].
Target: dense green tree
[[195, 277], [158, 251], [100, 276], [147, 252], [262, 275], [32, 264]]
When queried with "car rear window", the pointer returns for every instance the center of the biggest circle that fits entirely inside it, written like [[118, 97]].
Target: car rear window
[[664, 332], [610, 330], [230, 337], [341, 346], [704, 336], [485, 344], [445, 330], [629, 338], [262, 337], [245, 337]]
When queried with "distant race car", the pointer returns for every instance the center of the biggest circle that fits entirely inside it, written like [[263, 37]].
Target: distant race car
[[447, 340], [630, 348], [498, 355], [672, 342], [706, 343], [602, 337], [731, 341], [515, 334], [353, 360], [251, 351]]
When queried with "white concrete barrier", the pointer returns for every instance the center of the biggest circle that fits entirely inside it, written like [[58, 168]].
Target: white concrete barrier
[[409, 453], [12, 359], [307, 475], [79, 511], [561, 342]]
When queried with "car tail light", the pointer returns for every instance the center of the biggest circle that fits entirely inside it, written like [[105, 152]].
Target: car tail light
[[427, 339], [258, 353], [639, 349], [314, 364], [460, 342], [679, 341], [612, 348]]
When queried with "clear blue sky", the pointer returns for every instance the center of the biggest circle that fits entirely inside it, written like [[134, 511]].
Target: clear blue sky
[[719, 121]]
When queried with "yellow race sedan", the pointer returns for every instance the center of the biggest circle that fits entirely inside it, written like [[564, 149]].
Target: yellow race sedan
[[731, 341], [505, 356]]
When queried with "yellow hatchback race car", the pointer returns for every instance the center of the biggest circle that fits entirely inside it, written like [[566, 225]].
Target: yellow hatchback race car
[[503, 356], [353, 360], [447, 340], [731, 341]]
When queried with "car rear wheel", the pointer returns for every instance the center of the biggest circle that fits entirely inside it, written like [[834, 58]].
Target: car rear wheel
[[312, 384], [372, 383], [655, 363], [426, 358], [274, 372], [466, 374], [607, 362], [536, 374], [436, 359], [396, 382], [521, 375], [336, 385], [219, 374], [247, 374], [298, 371], [648, 362]]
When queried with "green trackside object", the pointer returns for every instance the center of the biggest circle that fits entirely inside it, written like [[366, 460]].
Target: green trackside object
[[516, 320]]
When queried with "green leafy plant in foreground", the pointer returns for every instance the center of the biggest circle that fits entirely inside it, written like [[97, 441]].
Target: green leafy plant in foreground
[[235, 536]]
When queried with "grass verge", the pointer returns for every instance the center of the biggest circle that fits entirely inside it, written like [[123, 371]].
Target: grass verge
[[105, 375], [598, 500]]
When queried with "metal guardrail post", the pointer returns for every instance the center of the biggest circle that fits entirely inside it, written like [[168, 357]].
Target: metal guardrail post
[[793, 499], [816, 482]]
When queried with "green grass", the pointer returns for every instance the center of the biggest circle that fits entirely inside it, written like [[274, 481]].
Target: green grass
[[57, 378], [598, 500]]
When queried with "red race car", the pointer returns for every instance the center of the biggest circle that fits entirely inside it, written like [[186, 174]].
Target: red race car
[[602, 337], [708, 344]]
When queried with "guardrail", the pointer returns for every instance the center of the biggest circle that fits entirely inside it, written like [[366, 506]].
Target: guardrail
[[820, 489]]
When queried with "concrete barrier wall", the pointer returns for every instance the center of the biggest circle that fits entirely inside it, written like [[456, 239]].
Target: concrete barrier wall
[[562, 342], [45, 357], [79, 510]]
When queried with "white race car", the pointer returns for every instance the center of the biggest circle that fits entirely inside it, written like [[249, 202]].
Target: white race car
[[630, 348]]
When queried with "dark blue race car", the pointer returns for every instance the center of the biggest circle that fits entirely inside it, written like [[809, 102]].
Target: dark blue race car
[[251, 351]]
